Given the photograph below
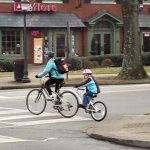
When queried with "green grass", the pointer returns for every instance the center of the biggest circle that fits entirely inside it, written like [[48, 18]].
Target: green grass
[[106, 70], [6, 74]]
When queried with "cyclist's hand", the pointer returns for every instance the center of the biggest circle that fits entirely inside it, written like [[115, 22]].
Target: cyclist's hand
[[36, 76], [76, 86]]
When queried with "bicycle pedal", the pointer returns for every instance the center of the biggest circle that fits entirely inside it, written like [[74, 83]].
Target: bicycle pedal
[[87, 110]]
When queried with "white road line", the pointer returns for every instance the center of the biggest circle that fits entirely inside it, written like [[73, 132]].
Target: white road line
[[2, 97], [28, 116], [8, 139], [13, 111], [38, 122]]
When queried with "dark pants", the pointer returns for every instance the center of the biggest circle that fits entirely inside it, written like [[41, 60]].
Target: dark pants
[[52, 81], [87, 97]]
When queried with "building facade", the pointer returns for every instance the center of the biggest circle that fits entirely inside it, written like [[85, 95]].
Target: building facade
[[66, 27]]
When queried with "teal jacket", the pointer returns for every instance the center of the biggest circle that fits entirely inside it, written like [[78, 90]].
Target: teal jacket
[[91, 85], [51, 67]]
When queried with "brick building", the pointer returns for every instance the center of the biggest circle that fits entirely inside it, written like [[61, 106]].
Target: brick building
[[92, 27]]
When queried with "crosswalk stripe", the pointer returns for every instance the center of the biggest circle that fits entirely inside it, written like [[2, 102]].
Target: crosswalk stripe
[[38, 122], [8, 139], [13, 111], [17, 114], [27, 116]]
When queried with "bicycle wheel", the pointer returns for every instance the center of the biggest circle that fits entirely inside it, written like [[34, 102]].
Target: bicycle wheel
[[36, 101], [69, 106], [98, 111]]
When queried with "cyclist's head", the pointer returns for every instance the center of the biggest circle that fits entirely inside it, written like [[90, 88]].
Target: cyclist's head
[[51, 54], [87, 72]]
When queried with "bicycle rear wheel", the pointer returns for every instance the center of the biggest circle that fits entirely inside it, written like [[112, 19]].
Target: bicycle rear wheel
[[98, 111], [69, 106], [36, 101]]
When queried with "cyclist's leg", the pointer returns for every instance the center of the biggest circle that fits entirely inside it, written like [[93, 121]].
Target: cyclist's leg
[[48, 83], [86, 98], [58, 81]]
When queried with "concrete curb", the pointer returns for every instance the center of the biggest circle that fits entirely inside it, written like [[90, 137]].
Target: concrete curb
[[118, 140]]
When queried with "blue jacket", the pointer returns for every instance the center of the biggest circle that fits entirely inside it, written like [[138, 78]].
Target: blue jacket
[[91, 85], [51, 67]]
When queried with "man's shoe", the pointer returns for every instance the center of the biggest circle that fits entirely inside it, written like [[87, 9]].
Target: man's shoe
[[81, 106], [50, 97], [58, 103]]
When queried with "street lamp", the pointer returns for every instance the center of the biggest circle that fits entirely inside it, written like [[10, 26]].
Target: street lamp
[[25, 73]]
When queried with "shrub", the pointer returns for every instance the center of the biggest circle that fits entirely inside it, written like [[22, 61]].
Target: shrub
[[6, 65], [146, 59], [75, 63], [95, 64], [87, 64], [106, 63]]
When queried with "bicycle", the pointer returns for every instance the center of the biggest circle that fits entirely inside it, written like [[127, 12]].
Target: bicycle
[[65, 101], [96, 109]]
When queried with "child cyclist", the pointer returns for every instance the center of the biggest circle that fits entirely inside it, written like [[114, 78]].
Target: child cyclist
[[91, 87]]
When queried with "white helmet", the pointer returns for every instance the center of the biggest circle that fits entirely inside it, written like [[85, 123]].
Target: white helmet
[[87, 71]]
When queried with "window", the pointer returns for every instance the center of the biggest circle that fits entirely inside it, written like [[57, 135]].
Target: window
[[7, 1], [10, 42], [103, 1], [146, 1], [52, 1]]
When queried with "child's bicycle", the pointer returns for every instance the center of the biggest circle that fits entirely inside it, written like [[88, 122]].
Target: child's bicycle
[[96, 109], [64, 101]]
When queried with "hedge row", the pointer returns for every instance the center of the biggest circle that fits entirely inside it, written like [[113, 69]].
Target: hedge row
[[77, 63], [102, 61]]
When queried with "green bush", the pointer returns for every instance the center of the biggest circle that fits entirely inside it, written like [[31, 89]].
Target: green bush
[[146, 59], [6, 65], [75, 63], [106, 62], [87, 64]]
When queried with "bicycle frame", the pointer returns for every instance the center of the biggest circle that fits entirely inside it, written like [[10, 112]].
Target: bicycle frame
[[42, 81]]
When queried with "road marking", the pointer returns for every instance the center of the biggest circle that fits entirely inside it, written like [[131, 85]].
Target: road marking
[[39, 122], [8, 139], [28, 116], [2, 97], [12, 111], [16, 116], [45, 140]]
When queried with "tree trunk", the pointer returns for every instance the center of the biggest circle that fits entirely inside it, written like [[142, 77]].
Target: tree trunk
[[132, 67]]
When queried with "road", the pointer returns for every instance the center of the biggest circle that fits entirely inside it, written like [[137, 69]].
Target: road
[[21, 130]]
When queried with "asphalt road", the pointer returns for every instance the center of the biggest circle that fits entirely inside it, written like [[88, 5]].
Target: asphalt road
[[21, 130]]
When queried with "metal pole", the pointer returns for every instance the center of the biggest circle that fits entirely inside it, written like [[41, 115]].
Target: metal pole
[[25, 76], [68, 44]]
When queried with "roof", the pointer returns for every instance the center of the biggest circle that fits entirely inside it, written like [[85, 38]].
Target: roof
[[100, 14], [56, 19], [144, 20]]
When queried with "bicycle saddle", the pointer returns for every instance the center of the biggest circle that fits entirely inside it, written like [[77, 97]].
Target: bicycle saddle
[[94, 95]]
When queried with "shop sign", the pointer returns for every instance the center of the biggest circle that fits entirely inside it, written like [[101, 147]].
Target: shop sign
[[35, 33], [40, 7], [146, 34]]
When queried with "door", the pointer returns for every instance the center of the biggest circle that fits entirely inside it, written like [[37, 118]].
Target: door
[[146, 42], [60, 44], [101, 43]]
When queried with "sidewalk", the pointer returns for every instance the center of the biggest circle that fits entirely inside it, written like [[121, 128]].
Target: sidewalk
[[131, 130]]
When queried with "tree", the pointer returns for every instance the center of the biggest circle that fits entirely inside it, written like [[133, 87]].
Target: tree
[[132, 67]]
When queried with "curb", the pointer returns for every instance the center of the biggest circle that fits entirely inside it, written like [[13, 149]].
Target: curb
[[118, 140]]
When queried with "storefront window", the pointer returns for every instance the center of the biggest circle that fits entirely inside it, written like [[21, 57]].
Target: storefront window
[[53, 1], [7, 1], [10, 42], [102, 1]]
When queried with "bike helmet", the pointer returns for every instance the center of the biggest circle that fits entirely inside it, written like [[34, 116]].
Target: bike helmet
[[50, 54], [87, 71]]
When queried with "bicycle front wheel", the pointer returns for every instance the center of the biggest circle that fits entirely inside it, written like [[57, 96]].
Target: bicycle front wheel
[[36, 101], [69, 106], [98, 111]]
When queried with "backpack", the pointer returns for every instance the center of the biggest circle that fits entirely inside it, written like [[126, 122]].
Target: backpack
[[62, 65]]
